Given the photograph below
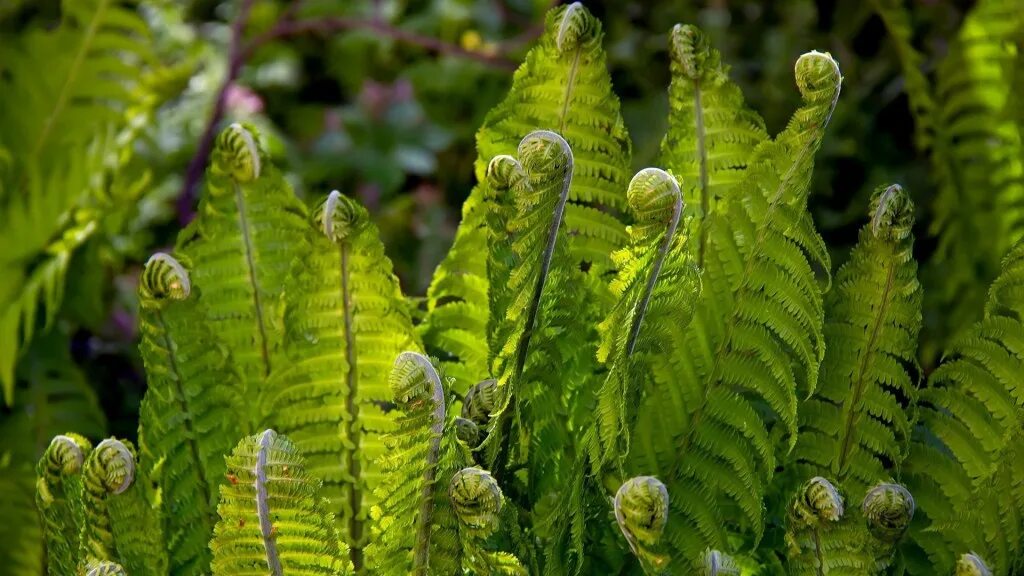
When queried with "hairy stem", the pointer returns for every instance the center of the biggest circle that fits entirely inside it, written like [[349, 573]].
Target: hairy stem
[[659, 261], [424, 521], [355, 496], [263, 507]]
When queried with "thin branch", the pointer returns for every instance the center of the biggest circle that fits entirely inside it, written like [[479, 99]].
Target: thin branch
[[236, 57], [329, 25]]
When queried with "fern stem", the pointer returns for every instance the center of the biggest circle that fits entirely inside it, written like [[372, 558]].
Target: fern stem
[[852, 412], [262, 505], [243, 224], [355, 497], [659, 261], [820, 567], [424, 521], [702, 157]]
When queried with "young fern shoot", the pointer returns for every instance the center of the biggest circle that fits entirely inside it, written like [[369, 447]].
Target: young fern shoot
[[344, 324], [59, 499], [273, 519], [641, 511]]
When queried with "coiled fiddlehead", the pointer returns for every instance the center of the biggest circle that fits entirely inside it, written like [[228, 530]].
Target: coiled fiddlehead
[[109, 470], [641, 511], [477, 499], [339, 217], [163, 278], [719, 564], [237, 153], [59, 499], [105, 569], [480, 402], [817, 503], [892, 214], [888, 510], [467, 431], [970, 564], [576, 27]]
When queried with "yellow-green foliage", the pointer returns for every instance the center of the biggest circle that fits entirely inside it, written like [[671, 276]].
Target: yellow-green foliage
[[273, 519], [345, 323], [649, 397]]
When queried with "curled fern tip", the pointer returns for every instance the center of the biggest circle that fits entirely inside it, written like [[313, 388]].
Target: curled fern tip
[[164, 278]]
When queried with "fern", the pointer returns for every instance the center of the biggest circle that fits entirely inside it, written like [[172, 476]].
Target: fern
[[977, 160], [826, 538], [69, 134], [563, 86], [964, 463], [105, 569], [641, 511], [272, 517], [59, 497], [345, 324], [405, 516], [728, 385], [711, 131], [857, 426], [477, 501], [249, 228], [190, 412]]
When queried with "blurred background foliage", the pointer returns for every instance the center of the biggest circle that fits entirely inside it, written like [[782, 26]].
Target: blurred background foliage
[[380, 99]]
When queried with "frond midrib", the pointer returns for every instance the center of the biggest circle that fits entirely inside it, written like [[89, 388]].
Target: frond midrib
[[853, 414], [352, 406], [243, 226]]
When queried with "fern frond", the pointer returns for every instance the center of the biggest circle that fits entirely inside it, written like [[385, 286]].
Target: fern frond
[[23, 537], [977, 160], [191, 411], [820, 538], [73, 101], [272, 517], [964, 464], [345, 323], [563, 86], [59, 500], [888, 510], [641, 511], [109, 469], [726, 387], [477, 501], [404, 514], [970, 564], [711, 132], [249, 228], [856, 427]]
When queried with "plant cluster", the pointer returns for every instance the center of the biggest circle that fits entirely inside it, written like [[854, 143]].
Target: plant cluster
[[610, 373]]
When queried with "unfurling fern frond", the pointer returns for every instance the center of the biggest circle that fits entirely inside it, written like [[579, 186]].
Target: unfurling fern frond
[[564, 86], [191, 411], [105, 569], [965, 463], [977, 162], [109, 470], [888, 510], [477, 501], [818, 539], [856, 428], [970, 564], [657, 288], [718, 564], [59, 500], [74, 98], [641, 511], [727, 386], [273, 519], [711, 132], [404, 514], [249, 228], [345, 323]]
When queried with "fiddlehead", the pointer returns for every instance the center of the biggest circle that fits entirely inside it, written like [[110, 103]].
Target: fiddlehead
[[109, 470], [339, 217], [888, 509], [817, 503], [480, 402], [163, 279], [59, 499], [467, 431], [476, 500], [237, 152], [970, 564], [641, 511]]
